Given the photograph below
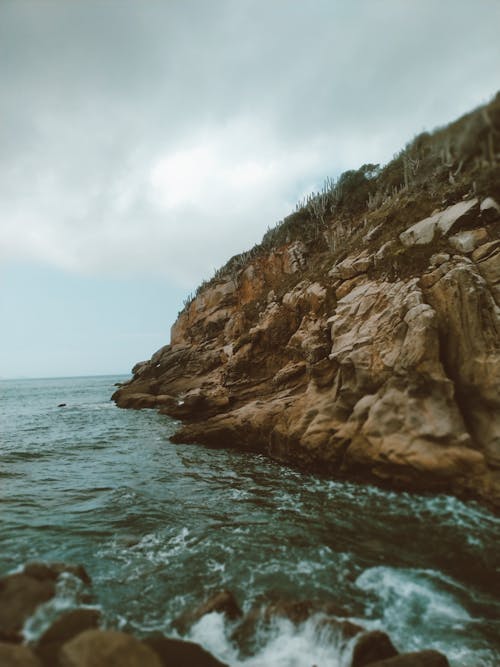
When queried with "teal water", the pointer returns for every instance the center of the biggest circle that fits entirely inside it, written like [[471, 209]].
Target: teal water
[[159, 526]]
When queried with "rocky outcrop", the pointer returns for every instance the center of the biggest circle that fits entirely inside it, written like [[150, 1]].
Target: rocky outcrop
[[382, 363]]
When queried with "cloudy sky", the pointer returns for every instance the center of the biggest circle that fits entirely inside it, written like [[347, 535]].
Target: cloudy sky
[[142, 143]]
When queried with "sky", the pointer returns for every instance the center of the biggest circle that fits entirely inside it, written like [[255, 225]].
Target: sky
[[142, 144]]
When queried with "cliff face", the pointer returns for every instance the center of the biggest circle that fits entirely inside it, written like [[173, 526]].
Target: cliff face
[[374, 356]]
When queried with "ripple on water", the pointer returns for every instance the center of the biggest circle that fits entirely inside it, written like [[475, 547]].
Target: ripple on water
[[161, 526]]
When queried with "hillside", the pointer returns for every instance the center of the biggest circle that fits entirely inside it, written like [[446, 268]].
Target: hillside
[[361, 337]]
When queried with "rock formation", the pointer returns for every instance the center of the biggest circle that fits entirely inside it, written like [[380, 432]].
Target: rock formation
[[367, 346]]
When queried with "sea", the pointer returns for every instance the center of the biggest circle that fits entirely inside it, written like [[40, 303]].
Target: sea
[[161, 526]]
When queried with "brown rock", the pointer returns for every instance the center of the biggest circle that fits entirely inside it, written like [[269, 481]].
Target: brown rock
[[485, 250], [467, 241], [222, 602], [12, 655], [372, 646], [136, 401], [392, 379], [490, 209], [178, 653], [416, 659], [68, 625], [20, 595], [96, 648], [440, 224]]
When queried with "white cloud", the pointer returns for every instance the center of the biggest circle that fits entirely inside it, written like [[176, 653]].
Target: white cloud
[[164, 140]]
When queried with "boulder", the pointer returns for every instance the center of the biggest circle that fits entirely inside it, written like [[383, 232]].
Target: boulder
[[96, 648], [372, 646], [351, 267], [20, 595], [23, 592], [416, 659], [178, 653], [12, 655], [468, 240], [54, 570], [68, 625], [440, 224], [270, 607], [490, 209], [222, 602]]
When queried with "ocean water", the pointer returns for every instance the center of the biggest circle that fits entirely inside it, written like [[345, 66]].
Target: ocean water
[[160, 526]]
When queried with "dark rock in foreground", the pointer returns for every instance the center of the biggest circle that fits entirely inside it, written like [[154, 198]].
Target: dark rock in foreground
[[371, 647], [178, 653], [13, 655], [23, 592], [67, 626], [97, 648], [417, 659]]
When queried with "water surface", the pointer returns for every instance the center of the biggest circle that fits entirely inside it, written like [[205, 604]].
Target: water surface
[[159, 526]]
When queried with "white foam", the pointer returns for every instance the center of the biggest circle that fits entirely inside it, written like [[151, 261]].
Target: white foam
[[282, 645], [67, 597]]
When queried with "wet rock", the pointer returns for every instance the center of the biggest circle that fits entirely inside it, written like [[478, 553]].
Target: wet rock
[[20, 595], [222, 602], [137, 401], [345, 629], [371, 647], [178, 653], [417, 659], [271, 607], [12, 655], [67, 626], [298, 611], [96, 648], [54, 570], [23, 592]]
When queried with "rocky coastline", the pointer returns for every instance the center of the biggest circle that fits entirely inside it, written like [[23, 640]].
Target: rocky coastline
[[359, 340], [80, 637]]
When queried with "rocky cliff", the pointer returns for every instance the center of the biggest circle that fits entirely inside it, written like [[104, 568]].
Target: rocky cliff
[[361, 338]]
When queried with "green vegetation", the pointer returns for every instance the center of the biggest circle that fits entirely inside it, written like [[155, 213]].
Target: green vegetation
[[375, 203]]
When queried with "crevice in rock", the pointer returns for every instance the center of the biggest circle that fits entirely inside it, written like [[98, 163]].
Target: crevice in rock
[[461, 398]]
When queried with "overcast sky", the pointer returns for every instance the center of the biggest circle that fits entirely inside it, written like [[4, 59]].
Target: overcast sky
[[142, 143]]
